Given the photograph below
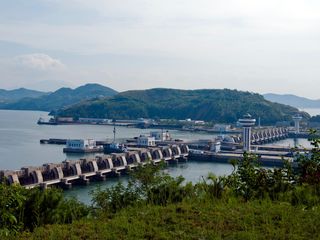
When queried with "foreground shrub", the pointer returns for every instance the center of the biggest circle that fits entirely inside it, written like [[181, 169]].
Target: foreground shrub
[[23, 209]]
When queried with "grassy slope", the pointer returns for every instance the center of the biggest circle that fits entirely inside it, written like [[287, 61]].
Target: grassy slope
[[214, 219]]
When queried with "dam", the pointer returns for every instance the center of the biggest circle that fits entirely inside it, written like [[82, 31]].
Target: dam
[[81, 171]]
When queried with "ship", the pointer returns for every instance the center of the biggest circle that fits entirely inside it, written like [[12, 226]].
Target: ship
[[114, 147], [51, 121]]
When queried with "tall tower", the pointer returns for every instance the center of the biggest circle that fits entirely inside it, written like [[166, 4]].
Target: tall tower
[[297, 118], [247, 122]]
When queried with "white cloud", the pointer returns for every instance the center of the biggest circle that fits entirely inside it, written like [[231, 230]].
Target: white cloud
[[35, 70], [38, 61]]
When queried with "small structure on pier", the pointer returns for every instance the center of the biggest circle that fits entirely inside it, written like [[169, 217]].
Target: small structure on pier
[[146, 141], [82, 146], [247, 122]]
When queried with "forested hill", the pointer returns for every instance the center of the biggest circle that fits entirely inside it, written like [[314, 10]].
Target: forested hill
[[210, 105], [61, 98]]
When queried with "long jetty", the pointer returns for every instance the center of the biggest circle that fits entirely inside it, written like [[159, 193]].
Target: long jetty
[[71, 172]]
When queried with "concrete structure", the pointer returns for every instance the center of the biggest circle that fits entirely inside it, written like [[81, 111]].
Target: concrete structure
[[146, 141], [64, 119], [247, 122], [297, 118], [83, 170], [95, 120], [215, 147]]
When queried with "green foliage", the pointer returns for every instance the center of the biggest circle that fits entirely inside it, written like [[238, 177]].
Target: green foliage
[[26, 209], [309, 164], [209, 105], [12, 202], [251, 181], [111, 200], [148, 185]]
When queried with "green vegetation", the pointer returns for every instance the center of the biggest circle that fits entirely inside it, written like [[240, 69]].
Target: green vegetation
[[315, 119], [23, 209], [63, 97], [251, 203], [209, 105]]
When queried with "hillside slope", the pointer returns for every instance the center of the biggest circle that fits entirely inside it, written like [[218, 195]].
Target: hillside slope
[[210, 105]]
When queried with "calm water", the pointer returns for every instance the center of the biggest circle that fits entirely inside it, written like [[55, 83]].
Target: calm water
[[20, 136], [19, 146]]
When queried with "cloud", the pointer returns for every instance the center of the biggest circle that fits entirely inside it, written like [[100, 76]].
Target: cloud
[[264, 46], [33, 70], [38, 61]]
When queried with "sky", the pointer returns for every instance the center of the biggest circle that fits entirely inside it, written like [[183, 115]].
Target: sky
[[258, 46]]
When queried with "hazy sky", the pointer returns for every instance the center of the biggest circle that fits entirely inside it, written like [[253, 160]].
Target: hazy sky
[[255, 45]]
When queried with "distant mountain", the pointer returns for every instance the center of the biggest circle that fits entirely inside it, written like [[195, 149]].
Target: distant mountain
[[7, 96], [61, 98], [210, 105], [292, 100]]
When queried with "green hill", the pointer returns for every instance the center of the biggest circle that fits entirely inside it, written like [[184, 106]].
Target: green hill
[[61, 98], [210, 105]]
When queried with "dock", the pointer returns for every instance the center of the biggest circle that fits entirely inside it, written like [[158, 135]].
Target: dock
[[225, 157]]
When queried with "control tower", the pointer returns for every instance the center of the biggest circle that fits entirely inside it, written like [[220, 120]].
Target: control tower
[[247, 122], [297, 118]]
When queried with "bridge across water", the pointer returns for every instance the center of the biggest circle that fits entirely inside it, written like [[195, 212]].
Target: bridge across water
[[265, 135], [83, 170]]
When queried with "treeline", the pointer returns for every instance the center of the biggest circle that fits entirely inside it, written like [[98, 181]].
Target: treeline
[[251, 203], [315, 118], [212, 105]]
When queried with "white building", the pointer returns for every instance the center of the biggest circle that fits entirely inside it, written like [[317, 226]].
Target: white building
[[222, 127], [81, 144], [146, 141], [161, 136]]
